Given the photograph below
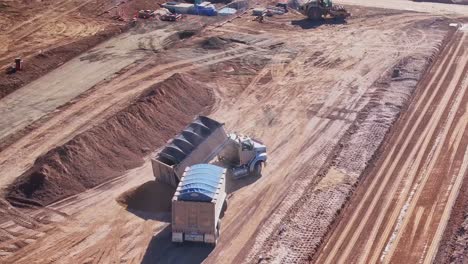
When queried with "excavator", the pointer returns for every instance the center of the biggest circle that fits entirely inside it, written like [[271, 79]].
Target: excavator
[[319, 9]]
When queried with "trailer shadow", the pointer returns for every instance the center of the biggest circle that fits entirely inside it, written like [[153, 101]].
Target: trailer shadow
[[161, 217], [310, 24], [233, 185], [162, 250]]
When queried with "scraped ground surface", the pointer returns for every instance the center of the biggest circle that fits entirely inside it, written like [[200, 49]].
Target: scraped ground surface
[[403, 208], [321, 96], [47, 33]]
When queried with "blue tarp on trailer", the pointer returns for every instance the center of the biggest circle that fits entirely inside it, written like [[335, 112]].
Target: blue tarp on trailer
[[200, 183]]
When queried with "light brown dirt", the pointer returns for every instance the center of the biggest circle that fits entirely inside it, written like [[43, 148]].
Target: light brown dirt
[[449, 10], [402, 209], [322, 98], [46, 34]]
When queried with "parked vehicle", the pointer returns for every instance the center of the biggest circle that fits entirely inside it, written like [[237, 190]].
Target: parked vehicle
[[171, 17]]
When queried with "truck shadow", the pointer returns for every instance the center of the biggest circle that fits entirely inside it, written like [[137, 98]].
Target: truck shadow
[[233, 185], [162, 250], [161, 217], [310, 24]]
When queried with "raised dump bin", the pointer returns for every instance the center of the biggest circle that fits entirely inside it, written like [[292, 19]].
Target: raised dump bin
[[198, 143], [197, 204]]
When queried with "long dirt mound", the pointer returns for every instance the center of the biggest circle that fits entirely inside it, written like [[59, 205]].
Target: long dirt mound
[[114, 146]]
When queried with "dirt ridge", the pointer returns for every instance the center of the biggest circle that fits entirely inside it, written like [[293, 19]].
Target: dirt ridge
[[119, 143]]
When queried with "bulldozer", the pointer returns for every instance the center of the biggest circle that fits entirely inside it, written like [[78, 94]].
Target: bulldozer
[[319, 9]]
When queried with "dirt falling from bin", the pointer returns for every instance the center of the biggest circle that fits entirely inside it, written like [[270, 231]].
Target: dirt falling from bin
[[117, 144], [152, 196]]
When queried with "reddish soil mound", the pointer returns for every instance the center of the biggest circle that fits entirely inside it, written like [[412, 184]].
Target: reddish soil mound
[[114, 146], [152, 196]]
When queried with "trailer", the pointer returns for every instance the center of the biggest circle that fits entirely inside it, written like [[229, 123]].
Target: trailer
[[197, 204], [198, 143]]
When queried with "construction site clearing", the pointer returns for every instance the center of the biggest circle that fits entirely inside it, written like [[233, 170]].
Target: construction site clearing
[[142, 131]]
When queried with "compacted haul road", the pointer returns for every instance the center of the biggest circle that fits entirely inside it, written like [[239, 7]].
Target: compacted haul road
[[401, 210]]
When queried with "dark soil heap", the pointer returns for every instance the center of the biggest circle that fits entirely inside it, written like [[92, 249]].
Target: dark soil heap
[[214, 43], [119, 143]]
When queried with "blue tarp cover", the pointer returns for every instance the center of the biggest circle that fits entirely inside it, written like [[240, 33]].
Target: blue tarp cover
[[200, 183]]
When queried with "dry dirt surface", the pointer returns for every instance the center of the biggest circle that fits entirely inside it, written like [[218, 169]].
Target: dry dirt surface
[[47, 33], [402, 209], [322, 96], [449, 10]]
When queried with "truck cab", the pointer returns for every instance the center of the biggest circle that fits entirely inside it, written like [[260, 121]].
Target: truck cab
[[246, 156]]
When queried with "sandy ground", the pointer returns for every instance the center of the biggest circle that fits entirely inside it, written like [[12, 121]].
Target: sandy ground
[[322, 98], [45, 34], [426, 7], [402, 210], [45, 94]]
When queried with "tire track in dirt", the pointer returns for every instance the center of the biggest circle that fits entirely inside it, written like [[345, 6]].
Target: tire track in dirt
[[339, 105], [372, 187], [352, 240]]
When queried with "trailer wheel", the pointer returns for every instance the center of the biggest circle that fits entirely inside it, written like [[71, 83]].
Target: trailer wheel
[[218, 227], [258, 169], [223, 209]]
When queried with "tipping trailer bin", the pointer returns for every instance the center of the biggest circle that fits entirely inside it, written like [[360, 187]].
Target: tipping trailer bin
[[197, 204], [198, 143]]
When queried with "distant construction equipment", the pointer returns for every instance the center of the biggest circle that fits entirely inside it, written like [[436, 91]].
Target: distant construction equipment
[[319, 9]]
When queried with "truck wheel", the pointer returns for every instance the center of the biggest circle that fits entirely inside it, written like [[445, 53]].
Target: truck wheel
[[315, 13], [223, 209], [218, 226], [258, 169]]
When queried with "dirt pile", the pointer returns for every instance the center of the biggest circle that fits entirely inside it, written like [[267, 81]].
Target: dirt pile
[[214, 43], [152, 196], [114, 146]]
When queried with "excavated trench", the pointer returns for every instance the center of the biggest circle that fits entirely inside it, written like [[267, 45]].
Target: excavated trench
[[108, 149]]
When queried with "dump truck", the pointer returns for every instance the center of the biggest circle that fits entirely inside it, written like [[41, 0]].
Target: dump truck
[[198, 203], [200, 142], [318, 9]]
